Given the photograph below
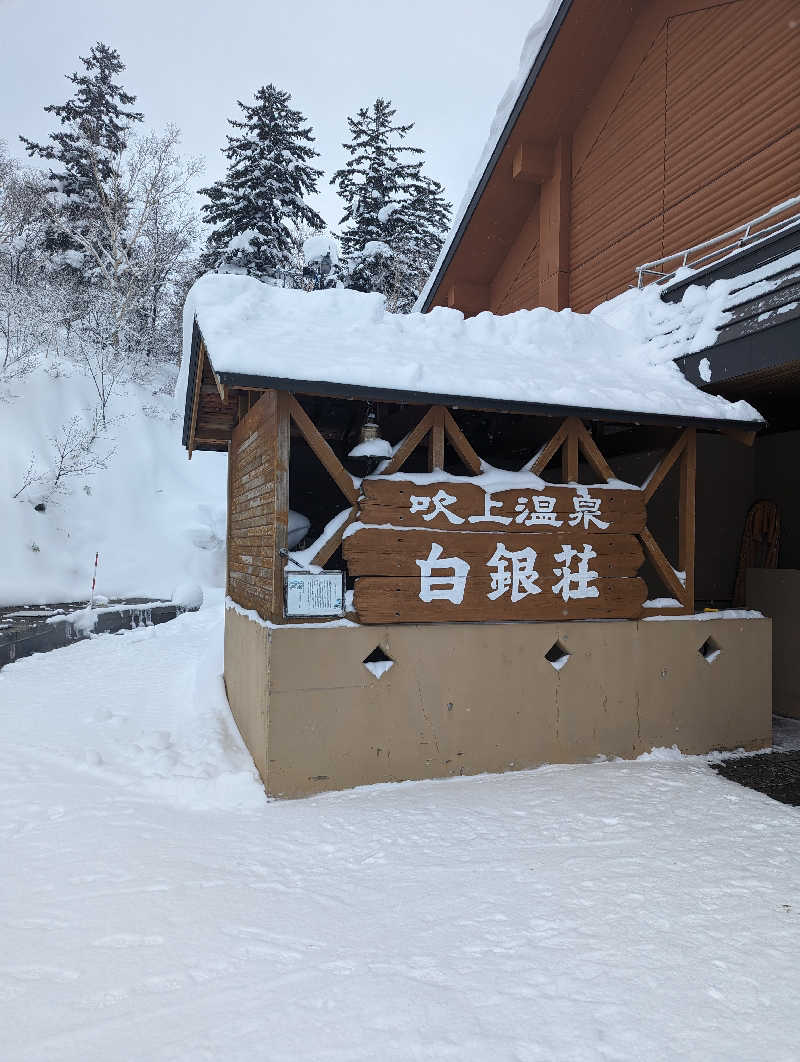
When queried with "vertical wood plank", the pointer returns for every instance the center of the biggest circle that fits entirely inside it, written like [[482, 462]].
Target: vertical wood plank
[[569, 455], [554, 206], [231, 470], [686, 529], [281, 539], [436, 440]]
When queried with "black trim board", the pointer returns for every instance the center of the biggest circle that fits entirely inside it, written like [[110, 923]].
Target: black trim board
[[744, 356], [491, 405], [508, 128], [191, 383]]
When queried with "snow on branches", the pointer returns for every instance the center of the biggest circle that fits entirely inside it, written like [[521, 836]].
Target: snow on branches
[[395, 215], [259, 208]]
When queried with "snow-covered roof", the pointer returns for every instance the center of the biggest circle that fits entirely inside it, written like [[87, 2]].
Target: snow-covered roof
[[700, 319], [299, 340], [537, 43]]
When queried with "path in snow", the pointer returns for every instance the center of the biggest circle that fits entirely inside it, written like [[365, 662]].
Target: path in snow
[[154, 906]]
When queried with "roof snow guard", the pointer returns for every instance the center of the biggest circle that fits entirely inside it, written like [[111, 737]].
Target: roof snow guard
[[346, 344]]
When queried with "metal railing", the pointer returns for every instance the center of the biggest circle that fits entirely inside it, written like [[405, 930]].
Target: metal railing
[[718, 247]]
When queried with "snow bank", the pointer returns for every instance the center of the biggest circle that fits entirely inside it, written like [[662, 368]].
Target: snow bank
[[156, 906], [156, 519], [346, 337]]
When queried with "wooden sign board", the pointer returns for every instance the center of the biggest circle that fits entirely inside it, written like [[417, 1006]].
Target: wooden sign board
[[467, 506], [561, 553]]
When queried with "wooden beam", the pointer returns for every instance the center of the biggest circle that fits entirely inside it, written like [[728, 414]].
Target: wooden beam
[[461, 444], [309, 431], [408, 445], [327, 550], [542, 459], [554, 231], [591, 452], [659, 473], [686, 517], [436, 440], [569, 454], [198, 379], [532, 163], [666, 572]]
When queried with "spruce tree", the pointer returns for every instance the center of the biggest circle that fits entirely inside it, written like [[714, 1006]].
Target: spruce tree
[[395, 216], [259, 206], [84, 152]]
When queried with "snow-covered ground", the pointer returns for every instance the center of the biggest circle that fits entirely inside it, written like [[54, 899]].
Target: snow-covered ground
[[156, 519], [155, 906]]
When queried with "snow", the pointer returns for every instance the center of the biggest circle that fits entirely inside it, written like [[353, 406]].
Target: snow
[[704, 368], [378, 667], [316, 247], [563, 359], [671, 330], [297, 528], [530, 50], [372, 448], [723, 613], [154, 905], [188, 595], [156, 519]]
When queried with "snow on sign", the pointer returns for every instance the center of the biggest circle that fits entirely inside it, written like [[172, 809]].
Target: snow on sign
[[310, 594], [557, 553]]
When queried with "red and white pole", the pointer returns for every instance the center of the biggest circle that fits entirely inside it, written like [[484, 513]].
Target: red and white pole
[[94, 580]]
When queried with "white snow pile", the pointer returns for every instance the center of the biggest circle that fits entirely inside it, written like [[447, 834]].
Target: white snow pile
[[317, 246], [338, 336], [156, 519], [670, 330], [156, 906], [530, 50]]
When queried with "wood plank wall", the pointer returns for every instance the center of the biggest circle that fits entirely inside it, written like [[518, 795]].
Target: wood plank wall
[[257, 507], [695, 129]]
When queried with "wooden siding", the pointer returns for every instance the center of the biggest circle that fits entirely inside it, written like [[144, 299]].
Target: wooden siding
[[256, 513], [693, 129], [215, 418]]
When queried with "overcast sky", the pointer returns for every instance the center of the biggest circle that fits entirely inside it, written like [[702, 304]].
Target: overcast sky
[[444, 64]]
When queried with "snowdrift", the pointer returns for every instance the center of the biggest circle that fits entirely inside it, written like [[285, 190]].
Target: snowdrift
[[157, 520]]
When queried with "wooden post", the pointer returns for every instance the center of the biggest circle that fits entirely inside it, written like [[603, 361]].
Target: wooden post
[[436, 440], [569, 456], [686, 529], [554, 231], [281, 541]]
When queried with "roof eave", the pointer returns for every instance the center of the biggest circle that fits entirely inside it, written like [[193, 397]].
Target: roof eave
[[508, 128], [330, 389]]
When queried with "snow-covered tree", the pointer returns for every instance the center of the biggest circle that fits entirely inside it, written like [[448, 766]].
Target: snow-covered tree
[[84, 153], [395, 216], [260, 205], [138, 259]]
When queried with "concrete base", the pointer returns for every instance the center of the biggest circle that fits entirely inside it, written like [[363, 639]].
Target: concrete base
[[469, 698], [776, 593]]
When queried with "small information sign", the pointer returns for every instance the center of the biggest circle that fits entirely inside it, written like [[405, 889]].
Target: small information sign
[[313, 594]]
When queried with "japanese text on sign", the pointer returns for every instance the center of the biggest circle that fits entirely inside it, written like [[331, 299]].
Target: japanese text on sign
[[530, 510]]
